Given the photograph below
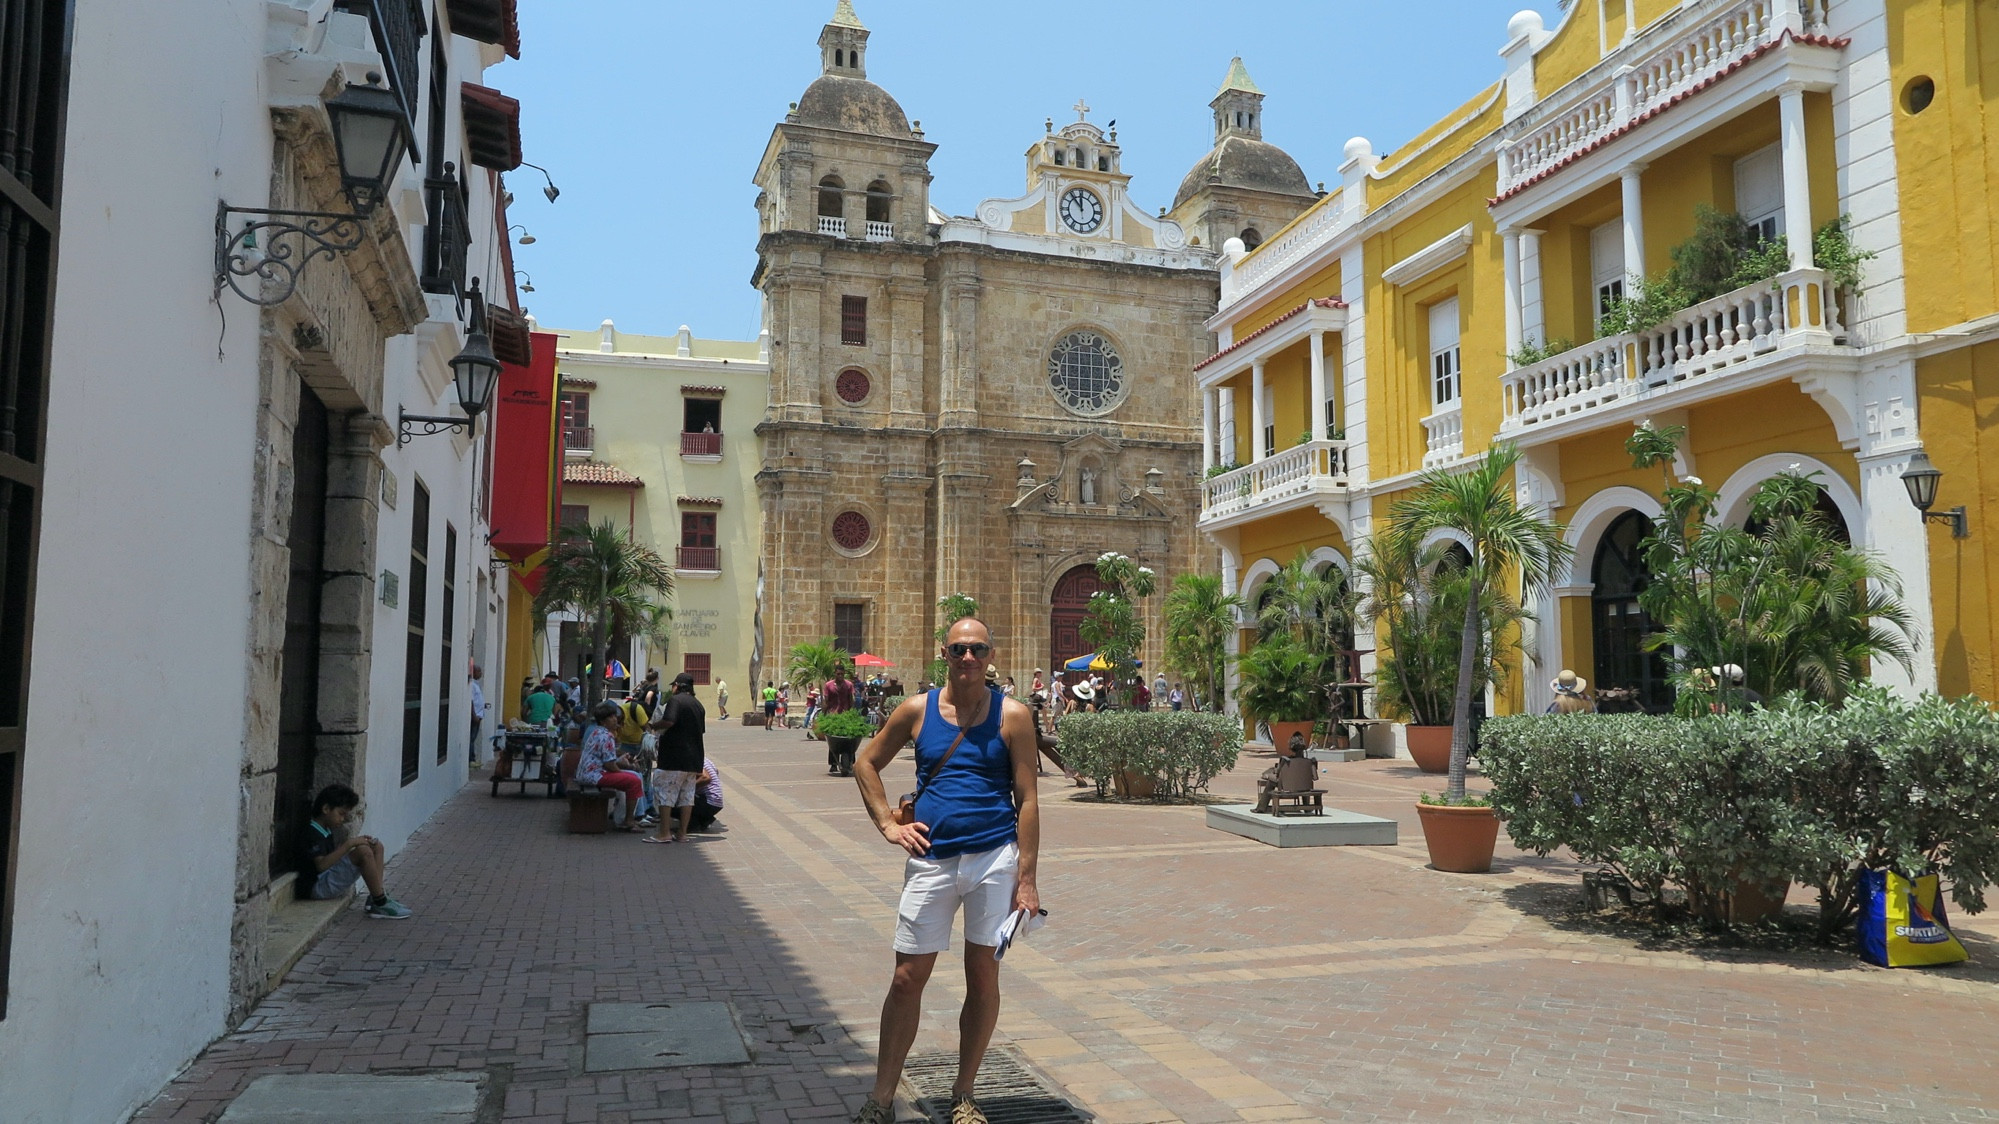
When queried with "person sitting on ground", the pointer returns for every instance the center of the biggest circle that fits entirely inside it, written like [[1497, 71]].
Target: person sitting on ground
[[330, 860], [602, 765], [707, 797], [1273, 778], [1571, 694]]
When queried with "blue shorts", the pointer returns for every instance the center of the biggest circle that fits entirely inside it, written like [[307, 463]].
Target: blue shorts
[[336, 880]]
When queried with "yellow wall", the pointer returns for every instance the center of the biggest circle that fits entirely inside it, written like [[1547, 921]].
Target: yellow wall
[[1947, 158], [1960, 393], [504, 688]]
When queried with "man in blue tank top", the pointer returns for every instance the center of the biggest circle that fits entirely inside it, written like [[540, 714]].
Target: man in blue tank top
[[974, 843]]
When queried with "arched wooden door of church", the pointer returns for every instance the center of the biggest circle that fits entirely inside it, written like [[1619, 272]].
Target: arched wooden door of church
[[1067, 608]]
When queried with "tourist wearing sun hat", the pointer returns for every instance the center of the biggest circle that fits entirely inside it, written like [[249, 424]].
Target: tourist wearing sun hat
[[1571, 695]]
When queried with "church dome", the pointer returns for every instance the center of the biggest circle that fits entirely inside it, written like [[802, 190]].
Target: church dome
[[857, 105], [1244, 162]]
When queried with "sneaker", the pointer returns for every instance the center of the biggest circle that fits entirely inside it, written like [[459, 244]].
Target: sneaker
[[390, 909], [965, 1110], [874, 1112]]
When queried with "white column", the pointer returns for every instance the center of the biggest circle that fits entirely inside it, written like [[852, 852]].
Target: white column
[[1510, 265], [1256, 450], [1316, 416], [1891, 526], [1207, 429], [1533, 314], [1634, 222], [1797, 177], [1226, 439]]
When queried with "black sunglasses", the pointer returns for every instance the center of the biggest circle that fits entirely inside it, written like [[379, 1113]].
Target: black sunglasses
[[960, 651]]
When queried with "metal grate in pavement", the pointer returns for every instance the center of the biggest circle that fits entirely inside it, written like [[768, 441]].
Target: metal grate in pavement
[[1008, 1090]]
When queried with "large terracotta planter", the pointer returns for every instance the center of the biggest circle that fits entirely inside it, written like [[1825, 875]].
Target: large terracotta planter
[[1460, 839], [1430, 746], [1134, 785], [1280, 732]]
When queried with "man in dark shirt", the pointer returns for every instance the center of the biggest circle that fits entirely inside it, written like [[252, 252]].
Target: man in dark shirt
[[680, 730]]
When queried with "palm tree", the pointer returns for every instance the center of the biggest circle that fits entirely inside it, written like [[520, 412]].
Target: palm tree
[[816, 661], [1502, 539], [606, 577], [1199, 619]]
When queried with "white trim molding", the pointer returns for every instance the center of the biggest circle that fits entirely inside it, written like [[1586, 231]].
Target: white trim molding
[[1732, 509], [1430, 258], [1592, 518]]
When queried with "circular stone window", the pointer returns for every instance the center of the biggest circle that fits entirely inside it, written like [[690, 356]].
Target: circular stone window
[[851, 531], [853, 386], [1086, 374]]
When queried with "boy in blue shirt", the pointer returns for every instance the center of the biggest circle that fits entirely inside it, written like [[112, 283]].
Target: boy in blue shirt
[[330, 860]]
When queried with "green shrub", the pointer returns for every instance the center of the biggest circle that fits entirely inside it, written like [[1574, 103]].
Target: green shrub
[[1801, 792], [1531, 352], [1182, 751], [1218, 469], [845, 724]]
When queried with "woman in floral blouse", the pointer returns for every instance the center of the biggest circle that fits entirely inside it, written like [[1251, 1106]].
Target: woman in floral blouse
[[602, 765]]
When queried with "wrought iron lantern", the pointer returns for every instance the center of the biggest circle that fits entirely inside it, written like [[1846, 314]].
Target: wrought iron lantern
[[1921, 479], [475, 372], [371, 135]]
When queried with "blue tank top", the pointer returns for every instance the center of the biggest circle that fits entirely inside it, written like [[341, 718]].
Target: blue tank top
[[969, 806]]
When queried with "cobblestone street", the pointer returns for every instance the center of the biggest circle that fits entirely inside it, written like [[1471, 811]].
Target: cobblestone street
[[1184, 975]]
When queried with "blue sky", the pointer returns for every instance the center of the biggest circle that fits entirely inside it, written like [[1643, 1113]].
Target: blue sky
[[652, 114]]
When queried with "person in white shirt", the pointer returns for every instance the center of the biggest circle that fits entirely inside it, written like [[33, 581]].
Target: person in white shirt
[[478, 713]]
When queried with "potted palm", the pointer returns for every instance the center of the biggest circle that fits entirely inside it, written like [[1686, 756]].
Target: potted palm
[[1501, 538], [1281, 684], [612, 582], [1414, 592]]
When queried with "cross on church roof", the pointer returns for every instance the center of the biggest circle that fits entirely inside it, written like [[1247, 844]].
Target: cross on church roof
[[1082, 109]]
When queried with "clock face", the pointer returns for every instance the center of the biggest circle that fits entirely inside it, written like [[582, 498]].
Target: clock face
[[1082, 210]]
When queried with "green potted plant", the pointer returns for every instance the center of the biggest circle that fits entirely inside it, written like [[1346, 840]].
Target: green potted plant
[[1281, 686], [843, 732], [1416, 592], [1501, 539]]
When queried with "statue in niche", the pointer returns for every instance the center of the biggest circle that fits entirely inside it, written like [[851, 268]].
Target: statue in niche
[[1089, 484]]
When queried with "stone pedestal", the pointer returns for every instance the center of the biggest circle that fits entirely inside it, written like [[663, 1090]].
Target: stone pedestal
[[1337, 828]]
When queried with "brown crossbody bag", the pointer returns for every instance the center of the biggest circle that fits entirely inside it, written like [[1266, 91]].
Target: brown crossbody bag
[[905, 810]]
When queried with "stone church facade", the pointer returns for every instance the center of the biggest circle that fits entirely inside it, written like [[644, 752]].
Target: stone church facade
[[984, 404]]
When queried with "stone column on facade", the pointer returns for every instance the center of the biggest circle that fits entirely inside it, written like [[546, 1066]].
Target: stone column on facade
[[1257, 451], [1631, 181], [958, 406], [905, 598], [797, 307], [1316, 417], [1797, 176], [1510, 268], [1533, 313], [905, 364]]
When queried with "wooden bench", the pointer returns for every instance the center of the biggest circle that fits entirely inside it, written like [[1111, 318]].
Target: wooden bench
[[1294, 794], [589, 806]]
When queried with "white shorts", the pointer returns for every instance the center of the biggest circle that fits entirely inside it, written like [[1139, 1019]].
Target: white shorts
[[932, 890], [673, 788]]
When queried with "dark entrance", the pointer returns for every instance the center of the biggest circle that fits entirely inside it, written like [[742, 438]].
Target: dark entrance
[[1619, 624], [298, 699], [1067, 608]]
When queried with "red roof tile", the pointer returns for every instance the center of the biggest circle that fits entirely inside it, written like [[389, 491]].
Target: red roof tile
[[1320, 302], [598, 472]]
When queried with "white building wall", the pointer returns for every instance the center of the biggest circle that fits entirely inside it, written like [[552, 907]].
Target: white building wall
[[128, 834]]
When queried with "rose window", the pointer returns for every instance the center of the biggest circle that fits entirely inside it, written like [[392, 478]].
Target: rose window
[[1086, 374], [851, 530], [852, 386]]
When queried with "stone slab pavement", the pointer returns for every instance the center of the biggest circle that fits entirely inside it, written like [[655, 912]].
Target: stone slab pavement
[[1185, 975]]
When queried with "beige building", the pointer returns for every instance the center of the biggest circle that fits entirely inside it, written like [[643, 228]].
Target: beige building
[[982, 404], [659, 435]]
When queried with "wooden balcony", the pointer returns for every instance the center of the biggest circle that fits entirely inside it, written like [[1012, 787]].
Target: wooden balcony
[[700, 444], [698, 558]]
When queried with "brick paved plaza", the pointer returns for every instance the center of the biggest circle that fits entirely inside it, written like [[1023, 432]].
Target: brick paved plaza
[[1185, 975]]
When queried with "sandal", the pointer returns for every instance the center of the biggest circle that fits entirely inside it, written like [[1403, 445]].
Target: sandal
[[655, 839]]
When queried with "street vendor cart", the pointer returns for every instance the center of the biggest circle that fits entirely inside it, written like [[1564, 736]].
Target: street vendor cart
[[525, 757]]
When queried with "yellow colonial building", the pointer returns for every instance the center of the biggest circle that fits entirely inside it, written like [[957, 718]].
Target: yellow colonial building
[[1465, 289], [659, 437]]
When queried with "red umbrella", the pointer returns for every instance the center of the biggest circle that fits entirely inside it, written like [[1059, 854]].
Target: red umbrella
[[866, 659]]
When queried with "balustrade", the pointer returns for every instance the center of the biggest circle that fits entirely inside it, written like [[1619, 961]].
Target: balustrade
[[1312, 467], [833, 225], [1443, 437]]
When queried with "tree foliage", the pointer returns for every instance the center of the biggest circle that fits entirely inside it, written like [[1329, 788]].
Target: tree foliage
[[1199, 621], [612, 583], [816, 661], [1114, 624]]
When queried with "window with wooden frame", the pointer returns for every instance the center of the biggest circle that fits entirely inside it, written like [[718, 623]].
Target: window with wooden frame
[[854, 321], [445, 648], [418, 586], [850, 627], [1444, 355], [699, 665]]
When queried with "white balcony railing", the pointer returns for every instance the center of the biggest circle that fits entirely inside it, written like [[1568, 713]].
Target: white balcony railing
[[881, 231], [1315, 466], [833, 225], [1682, 58], [1695, 344], [1443, 437]]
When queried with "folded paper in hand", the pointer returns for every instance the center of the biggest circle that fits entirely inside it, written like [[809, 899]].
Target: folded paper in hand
[[1019, 923]]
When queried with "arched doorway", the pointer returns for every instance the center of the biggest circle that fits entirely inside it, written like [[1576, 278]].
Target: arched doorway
[[1068, 606], [1619, 624]]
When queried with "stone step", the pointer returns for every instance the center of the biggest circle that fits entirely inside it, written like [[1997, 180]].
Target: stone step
[[293, 928]]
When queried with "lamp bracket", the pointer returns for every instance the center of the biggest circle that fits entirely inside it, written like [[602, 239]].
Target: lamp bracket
[[272, 248], [411, 426], [1957, 519]]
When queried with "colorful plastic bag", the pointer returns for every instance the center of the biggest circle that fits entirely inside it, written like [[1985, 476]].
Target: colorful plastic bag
[[1902, 922]]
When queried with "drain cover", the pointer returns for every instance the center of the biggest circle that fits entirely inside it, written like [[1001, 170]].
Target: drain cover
[[661, 1036], [1008, 1089]]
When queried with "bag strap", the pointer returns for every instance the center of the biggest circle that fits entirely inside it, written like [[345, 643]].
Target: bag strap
[[942, 761]]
